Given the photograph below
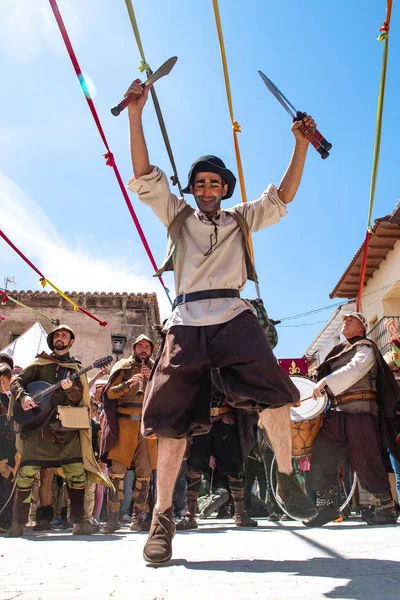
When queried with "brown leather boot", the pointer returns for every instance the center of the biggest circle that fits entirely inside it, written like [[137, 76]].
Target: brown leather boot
[[115, 497], [20, 513], [44, 517], [243, 520], [77, 511], [139, 520], [296, 502], [158, 548], [85, 528], [16, 530], [187, 522], [193, 480], [236, 485]]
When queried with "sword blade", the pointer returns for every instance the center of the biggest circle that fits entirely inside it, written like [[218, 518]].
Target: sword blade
[[278, 95], [163, 70]]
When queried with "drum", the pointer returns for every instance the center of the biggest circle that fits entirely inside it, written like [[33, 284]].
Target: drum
[[307, 418]]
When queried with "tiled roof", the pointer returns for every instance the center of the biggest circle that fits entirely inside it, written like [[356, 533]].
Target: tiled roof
[[386, 233], [145, 298]]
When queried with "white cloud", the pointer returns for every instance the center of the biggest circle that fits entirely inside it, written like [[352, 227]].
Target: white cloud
[[70, 266], [28, 27]]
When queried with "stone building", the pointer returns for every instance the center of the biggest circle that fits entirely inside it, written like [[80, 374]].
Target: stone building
[[128, 314]]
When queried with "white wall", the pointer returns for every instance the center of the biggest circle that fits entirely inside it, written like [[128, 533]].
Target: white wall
[[372, 302]]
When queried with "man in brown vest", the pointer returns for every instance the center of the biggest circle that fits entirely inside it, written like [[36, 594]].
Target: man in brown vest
[[211, 326], [122, 443], [363, 397]]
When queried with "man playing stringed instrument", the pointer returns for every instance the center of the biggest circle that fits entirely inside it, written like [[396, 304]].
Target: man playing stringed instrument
[[44, 446], [211, 326]]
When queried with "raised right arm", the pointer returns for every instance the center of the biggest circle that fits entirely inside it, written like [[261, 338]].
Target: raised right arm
[[139, 154], [149, 182]]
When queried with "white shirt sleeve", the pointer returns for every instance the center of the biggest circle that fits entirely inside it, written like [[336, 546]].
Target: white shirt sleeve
[[153, 190], [342, 379], [265, 211]]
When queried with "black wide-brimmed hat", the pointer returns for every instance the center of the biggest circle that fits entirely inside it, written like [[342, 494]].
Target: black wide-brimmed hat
[[212, 164]]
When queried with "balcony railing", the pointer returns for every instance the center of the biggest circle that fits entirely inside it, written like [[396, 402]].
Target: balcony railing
[[379, 334]]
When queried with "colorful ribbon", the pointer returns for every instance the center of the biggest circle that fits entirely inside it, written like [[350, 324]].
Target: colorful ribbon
[[5, 297], [144, 66], [110, 161], [235, 125], [45, 281], [383, 37]]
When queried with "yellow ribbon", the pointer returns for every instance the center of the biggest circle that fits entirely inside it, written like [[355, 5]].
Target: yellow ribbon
[[235, 125], [143, 65], [378, 127], [383, 37], [55, 288]]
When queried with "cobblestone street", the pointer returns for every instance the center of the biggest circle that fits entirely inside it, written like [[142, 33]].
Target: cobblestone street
[[274, 561]]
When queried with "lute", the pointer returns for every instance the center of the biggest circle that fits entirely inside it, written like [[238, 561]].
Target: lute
[[41, 393]]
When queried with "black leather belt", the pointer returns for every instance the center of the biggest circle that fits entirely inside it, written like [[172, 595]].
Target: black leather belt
[[130, 405], [204, 295], [132, 417]]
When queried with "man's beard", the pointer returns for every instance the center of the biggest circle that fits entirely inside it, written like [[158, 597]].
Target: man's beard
[[142, 356], [60, 346]]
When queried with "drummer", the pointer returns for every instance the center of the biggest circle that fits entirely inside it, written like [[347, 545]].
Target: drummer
[[363, 395]]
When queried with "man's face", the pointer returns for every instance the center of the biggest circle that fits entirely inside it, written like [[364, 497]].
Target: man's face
[[352, 327], [4, 384], [62, 341], [142, 350], [208, 190]]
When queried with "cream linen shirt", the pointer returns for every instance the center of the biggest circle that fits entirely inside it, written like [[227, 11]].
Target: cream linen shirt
[[362, 362], [225, 266]]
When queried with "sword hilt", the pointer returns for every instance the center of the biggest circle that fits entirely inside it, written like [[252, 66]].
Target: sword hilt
[[118, 108], [317, 140]]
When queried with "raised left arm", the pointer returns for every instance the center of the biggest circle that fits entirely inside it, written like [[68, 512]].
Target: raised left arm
[[291, 180]]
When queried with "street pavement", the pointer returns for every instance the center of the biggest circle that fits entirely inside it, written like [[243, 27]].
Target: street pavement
[[275, 561]]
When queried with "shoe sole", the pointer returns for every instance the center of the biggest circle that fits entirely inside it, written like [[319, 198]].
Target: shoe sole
[[157, 562], [303, 517], [383, 524]]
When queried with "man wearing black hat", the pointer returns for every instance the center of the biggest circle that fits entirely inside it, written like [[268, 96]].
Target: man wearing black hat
[[211, 326], [45, 447]]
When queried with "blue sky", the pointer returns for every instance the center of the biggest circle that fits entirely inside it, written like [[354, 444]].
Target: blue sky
[[61, 204]]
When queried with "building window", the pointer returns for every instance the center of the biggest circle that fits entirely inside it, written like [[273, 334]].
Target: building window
[[14, 336]]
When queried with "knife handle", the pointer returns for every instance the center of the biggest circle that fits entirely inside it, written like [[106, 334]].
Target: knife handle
[[314, 142], [316, 134], [117, 110]]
